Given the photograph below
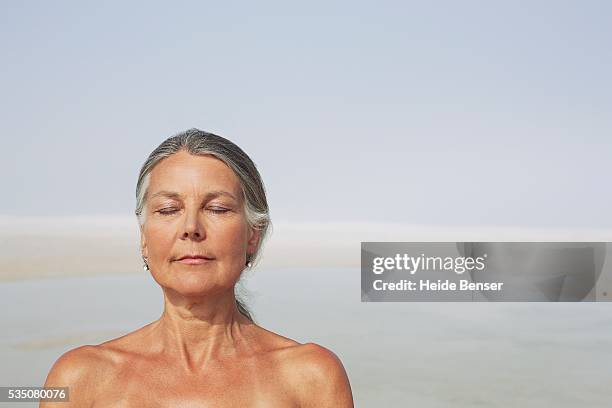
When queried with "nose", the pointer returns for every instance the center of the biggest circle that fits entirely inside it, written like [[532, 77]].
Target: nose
[[193, 228]]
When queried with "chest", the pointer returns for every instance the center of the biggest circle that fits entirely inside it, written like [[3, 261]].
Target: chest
[[220, 386]]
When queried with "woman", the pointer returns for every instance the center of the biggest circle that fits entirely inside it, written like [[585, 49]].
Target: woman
[[203, 215]]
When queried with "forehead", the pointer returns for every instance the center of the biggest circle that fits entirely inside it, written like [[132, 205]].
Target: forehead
[[185, 173]]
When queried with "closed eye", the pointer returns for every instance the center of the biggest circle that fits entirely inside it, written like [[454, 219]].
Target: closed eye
[[218, 210], [167, 211]]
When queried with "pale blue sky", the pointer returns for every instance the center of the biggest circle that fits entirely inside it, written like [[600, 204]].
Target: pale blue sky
[[441, 112]]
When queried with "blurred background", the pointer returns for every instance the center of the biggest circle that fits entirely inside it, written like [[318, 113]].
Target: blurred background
[[441, 120]]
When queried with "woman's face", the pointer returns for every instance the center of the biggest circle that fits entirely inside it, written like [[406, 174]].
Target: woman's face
[[194, 206]]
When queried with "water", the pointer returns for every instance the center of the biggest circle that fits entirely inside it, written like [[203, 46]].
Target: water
[[396, 354]]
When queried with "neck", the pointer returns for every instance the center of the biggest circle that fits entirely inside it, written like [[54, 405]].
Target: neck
[[196, 331]]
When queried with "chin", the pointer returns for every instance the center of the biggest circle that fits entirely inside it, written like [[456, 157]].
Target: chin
[[191, 290], [191, 280]]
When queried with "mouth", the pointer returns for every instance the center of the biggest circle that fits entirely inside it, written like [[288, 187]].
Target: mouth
[[194, 259]]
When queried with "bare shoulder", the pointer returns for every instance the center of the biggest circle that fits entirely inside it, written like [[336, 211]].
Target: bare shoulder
[[317, 376], [84, 362], [79, 369], [77, 365], [313, 373], [88, 369]]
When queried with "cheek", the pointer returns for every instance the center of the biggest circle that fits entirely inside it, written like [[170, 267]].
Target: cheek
[[231, 239], [159, 241]]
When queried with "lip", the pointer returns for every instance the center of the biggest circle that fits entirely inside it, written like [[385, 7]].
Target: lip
[[194, 259]]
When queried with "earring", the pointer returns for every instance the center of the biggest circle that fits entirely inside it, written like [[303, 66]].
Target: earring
[[249, 264], [145, 267]]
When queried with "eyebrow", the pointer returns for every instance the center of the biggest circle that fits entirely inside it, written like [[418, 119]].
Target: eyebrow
[[175, 195]]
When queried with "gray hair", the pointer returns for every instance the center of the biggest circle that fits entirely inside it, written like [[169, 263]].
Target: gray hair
[[197, 142]]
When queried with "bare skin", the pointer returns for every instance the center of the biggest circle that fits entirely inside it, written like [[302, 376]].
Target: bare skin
[[202, 352]]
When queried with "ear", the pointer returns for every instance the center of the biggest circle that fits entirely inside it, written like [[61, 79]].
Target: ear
[[143, 244], [254, 237]]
